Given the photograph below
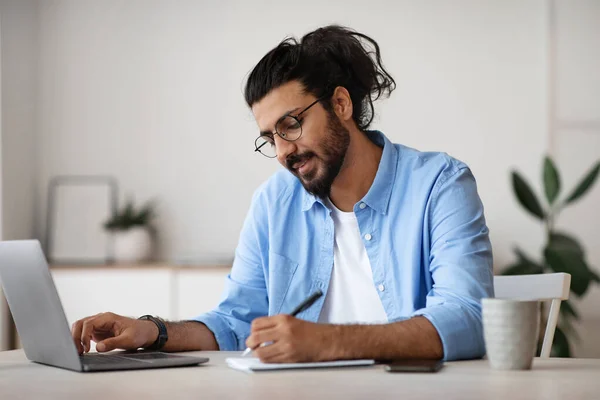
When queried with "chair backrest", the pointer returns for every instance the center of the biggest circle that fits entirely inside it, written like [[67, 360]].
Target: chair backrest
[[555, 287], [533, 287]]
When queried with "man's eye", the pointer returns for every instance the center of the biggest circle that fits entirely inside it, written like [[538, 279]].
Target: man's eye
[[295, 124], [288, 125]]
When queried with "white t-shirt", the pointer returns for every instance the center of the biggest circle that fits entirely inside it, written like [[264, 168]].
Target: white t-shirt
[[352, 296]]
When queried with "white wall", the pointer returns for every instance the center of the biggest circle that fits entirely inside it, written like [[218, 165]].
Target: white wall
[[19, 53], [4, 316], [576, 138], [151, 92]]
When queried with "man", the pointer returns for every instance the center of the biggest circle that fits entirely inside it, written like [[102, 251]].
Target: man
[[395, 238]]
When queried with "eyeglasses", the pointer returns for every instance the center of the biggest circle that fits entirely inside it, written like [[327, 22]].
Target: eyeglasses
[[288, 127]]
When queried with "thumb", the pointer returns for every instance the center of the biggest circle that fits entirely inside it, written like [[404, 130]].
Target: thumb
[[108, 344]]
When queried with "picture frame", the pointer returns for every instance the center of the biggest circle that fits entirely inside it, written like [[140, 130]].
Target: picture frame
[[77, 206]]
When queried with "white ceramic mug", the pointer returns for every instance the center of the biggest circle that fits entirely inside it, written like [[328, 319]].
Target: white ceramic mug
[[510, 330]]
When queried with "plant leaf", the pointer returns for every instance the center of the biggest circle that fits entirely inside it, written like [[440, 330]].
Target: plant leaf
[[551, 180], [594, 276], [523, 266], [563, 241], [560, 344], [526, 196], [567, 310], [585, 184], [570, 248], [129, 216], [571, 262], [523, 257], [569, 330], [522, 269]]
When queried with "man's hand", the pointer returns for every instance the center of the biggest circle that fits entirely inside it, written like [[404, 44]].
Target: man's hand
[[111, 331], [293, 340]]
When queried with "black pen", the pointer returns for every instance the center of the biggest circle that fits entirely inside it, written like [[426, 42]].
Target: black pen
[[309, 301]]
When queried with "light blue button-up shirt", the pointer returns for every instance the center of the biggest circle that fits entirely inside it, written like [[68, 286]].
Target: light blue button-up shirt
[[424, 231]]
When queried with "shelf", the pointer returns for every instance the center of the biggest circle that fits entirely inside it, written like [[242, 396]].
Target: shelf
[[149, 266]]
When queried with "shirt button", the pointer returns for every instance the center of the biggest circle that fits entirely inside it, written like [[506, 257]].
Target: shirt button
[[381, 287], [368, 236], [362, 206]]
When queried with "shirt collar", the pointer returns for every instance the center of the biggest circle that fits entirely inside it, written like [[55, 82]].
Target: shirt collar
[[378, 196], [309, 200]]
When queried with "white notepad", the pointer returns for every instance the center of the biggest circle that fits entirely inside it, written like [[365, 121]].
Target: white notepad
[[251, 364]]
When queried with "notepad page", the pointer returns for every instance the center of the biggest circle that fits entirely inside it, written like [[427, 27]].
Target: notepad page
[[251, 364]]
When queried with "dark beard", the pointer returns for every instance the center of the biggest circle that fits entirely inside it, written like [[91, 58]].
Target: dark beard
[[334, 147]]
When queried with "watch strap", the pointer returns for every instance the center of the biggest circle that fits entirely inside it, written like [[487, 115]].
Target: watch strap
[[162, 338]]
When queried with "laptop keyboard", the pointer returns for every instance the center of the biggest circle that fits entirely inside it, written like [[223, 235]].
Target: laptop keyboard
[[149, 356], [96, 360], [126, 358]]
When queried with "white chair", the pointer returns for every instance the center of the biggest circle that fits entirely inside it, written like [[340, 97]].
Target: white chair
[[553, 287]]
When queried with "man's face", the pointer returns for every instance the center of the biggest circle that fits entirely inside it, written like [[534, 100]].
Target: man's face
[[316, 158]]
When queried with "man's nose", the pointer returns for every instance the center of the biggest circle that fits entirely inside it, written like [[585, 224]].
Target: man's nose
[[284, 149]]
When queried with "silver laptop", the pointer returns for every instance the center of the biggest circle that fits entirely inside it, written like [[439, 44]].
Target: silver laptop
[[41, 322]]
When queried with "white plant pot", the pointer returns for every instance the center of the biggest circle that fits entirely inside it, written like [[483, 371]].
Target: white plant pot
[[133, 245]]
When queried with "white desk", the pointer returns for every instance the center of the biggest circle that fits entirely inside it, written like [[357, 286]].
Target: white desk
[[550, 379]]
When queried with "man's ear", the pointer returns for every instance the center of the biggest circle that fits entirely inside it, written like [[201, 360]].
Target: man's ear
[[342, 103]]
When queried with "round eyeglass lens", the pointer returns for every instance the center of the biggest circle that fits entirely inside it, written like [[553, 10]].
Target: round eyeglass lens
[[289, 128], [266, 146]]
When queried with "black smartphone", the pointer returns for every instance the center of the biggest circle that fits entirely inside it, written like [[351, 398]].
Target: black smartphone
[[414, 366]]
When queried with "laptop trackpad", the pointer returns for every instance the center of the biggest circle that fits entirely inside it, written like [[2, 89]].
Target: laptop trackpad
[[148, 357]]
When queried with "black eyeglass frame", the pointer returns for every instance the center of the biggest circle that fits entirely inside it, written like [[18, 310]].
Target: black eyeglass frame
[[257, 148]]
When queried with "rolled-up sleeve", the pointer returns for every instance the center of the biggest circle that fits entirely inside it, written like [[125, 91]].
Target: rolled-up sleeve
[[245, 294], [460, 263]]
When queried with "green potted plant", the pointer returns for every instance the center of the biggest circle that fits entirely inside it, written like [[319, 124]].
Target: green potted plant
[[562, 251], [132, 232]]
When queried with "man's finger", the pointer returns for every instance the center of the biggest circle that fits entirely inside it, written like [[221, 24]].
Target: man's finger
[[76, 334], [269, 353], [103, 322], [117, 342], [263, 323], [99, 335], [279, 358], [263, 336], [76, 329]]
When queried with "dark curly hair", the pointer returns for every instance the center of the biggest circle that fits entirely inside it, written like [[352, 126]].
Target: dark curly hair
[[324, 59]]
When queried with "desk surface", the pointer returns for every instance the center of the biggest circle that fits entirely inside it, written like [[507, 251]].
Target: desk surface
[[549, 379]]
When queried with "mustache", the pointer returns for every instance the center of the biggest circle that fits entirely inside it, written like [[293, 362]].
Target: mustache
[[293, 159]]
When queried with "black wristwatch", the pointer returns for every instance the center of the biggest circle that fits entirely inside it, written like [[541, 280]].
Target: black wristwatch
[[162, 338]]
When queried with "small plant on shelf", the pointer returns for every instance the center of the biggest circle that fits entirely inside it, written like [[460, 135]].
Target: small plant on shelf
[[129, 217], [133, 232]]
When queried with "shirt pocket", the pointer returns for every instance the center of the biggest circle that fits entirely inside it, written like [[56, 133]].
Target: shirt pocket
[[281, 272]]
